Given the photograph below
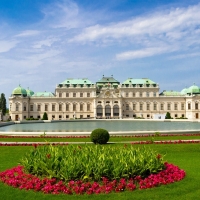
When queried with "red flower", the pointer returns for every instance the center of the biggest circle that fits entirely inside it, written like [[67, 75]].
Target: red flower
[[35, 145], [158, 156], [48, 155]]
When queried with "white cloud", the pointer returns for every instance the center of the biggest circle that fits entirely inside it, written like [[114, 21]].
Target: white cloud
[[6, 46], [142, 53], [172, 23], [28, 33]]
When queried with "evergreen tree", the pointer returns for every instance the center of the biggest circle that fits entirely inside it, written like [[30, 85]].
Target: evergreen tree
[[45, 117], [3, 103], [168, 116]]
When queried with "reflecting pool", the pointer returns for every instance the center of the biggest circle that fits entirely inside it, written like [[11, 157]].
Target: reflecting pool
[[110, 125]]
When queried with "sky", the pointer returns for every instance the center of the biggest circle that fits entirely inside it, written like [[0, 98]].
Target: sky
[[44, 42]]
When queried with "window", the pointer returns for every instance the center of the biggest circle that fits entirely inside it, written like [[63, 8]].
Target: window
[[88, 107], [161, 106], [74, 94], [175, 106], [147, 94], [53, 108], [168, 106], [154, 94], [133, 94], [127, 107], [74, 107], [67, 116], [24, 117], [60, 107], [38, 116], [196, 106], [176, 115], [81, 116], [183, 115], [17, 107], [88, 116], [182, 106], [46, 107], [38, 107], [81, 107], [141, 106], [53, 116], [154, 106], [88, 94], [189, 106], [81, 94], [126, 94], [60, 116], [31, 107], [148, 106], [67, 107], [24, 108], [140, 94], [60, 94], [148, 116], [67, 94], [134, 106]]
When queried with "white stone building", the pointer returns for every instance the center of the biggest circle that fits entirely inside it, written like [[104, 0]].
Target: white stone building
[[107, 98]]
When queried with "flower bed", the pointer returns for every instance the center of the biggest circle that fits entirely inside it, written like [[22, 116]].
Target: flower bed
[[67, 143], [16, 177]]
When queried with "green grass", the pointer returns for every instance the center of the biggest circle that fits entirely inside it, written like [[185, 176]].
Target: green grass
[[112, 139], [186, 156]]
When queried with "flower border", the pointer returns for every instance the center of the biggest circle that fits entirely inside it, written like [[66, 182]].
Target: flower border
[[16, 177]]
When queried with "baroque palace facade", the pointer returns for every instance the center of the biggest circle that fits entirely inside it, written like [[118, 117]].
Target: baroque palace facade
[[107, 98]]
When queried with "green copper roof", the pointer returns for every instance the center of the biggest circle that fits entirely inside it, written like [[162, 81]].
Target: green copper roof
[[76, 81], [43, 94], [138, 81], [110, 80], [184, 91], [193, 89], [171, 93], [29, 92], [19, 91]]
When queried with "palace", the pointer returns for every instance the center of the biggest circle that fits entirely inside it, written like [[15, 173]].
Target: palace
[[107, 98]]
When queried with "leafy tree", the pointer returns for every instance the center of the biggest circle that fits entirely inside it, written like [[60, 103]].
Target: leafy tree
[[3, 103], [45, 117], [168, 116]]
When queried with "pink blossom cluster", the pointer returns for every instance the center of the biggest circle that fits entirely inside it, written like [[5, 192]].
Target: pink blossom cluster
[[16, 177]]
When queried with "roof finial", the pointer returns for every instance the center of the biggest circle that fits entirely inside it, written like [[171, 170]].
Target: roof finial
[[103, 75]]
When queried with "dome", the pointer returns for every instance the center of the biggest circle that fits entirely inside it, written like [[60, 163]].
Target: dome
[[193, 89], [29, 92], [19, 91], [184, 91]]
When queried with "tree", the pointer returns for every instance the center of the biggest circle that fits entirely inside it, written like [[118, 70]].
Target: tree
[[168, 116], [45, 117], [3, 103]]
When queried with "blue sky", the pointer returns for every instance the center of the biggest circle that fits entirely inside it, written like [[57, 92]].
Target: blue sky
[[43, 42]]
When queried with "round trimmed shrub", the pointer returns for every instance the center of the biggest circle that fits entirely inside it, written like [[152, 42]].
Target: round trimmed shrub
[[99, 136]]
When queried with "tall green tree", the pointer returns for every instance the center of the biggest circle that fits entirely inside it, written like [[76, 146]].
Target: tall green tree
[[3, 103], [168, 116], [45, 117]]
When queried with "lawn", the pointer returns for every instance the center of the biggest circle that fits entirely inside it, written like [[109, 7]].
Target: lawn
[[186, 156]]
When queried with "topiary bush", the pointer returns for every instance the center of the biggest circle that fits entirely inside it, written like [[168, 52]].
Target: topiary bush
[[99, 136]]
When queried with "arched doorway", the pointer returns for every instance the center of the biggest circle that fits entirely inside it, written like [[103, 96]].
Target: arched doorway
[[116, 110], [107, 111], [99, 111]]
